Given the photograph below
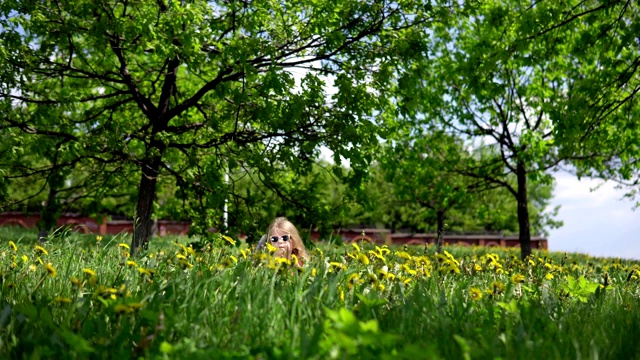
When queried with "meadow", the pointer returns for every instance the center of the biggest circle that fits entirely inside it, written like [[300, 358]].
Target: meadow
[[83, 296]]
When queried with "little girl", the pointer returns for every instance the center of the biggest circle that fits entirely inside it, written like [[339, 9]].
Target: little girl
[[284, 236]]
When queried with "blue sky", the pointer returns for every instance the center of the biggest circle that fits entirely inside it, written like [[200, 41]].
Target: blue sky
[[598, 223]]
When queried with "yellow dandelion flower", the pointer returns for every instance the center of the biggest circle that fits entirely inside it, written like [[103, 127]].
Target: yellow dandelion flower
[[122, 309], [148, 272], [380, 287], [62, 300], [132, 263], [41, 251], [75, 282], [32, 267], [475, 294], [185, 264], [403, 255], [271, 248], [280, 260], [89, 272], [181, 257], [136, 305], [13, 246], [498, 287], [123, 246], [244, 253], [98, 238], [477, 267], [314, 272], [126, 254], [51, 270], [517, 278], [337, 265], [363, 259], [40, 261], [229, 240], [549, 276], [25, 258], [406, 280], [355, 246]]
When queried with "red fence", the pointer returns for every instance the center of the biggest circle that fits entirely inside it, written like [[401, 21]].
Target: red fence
[[379, 236]]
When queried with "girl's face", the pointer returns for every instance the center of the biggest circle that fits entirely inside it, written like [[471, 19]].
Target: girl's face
[[282, 243]]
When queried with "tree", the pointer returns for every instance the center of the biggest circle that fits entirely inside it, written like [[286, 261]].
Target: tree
[[421, 169], [182, 89], [489, 83]]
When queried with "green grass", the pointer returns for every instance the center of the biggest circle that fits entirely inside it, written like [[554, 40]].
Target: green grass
[[402, 304]]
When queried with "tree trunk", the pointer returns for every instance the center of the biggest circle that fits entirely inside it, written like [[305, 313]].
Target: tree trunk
[[440, 230], [48, 215], [50, 211], [523, 213], [143, 223]]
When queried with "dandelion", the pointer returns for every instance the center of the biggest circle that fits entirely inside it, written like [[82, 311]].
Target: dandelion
[[185, 264], [181, 257], [337, 265], [244, 253], [475, 294], [517, 278], [13, 246], [41, 251], [122, 309], [25, 258], [32, 267], [549, 276], [229, 240], [313, 272], [498, 287], [477, 267], [280, 260], [98, 238], [403, 255], [136, 305], [148, 272], [123, 246], [380, 287], [132, 263], [89, 272], [75, 282], [271, 248], [363, 259], [39, 260], [62, 300], [51, 270], [355, 246]]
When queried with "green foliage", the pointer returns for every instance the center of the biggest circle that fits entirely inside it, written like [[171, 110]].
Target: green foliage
[[138, 98]]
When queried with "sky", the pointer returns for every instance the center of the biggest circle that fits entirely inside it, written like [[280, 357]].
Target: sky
[[598, 223]]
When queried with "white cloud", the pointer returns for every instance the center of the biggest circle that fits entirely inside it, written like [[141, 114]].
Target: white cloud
[[597, 222]]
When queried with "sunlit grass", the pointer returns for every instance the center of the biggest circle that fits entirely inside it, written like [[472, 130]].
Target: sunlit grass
[[84, 296]]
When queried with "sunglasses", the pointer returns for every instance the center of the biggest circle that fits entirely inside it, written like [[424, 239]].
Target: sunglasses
[[283, 237]]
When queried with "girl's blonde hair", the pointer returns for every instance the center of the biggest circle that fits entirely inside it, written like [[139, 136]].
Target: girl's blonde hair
[[285, 226]]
